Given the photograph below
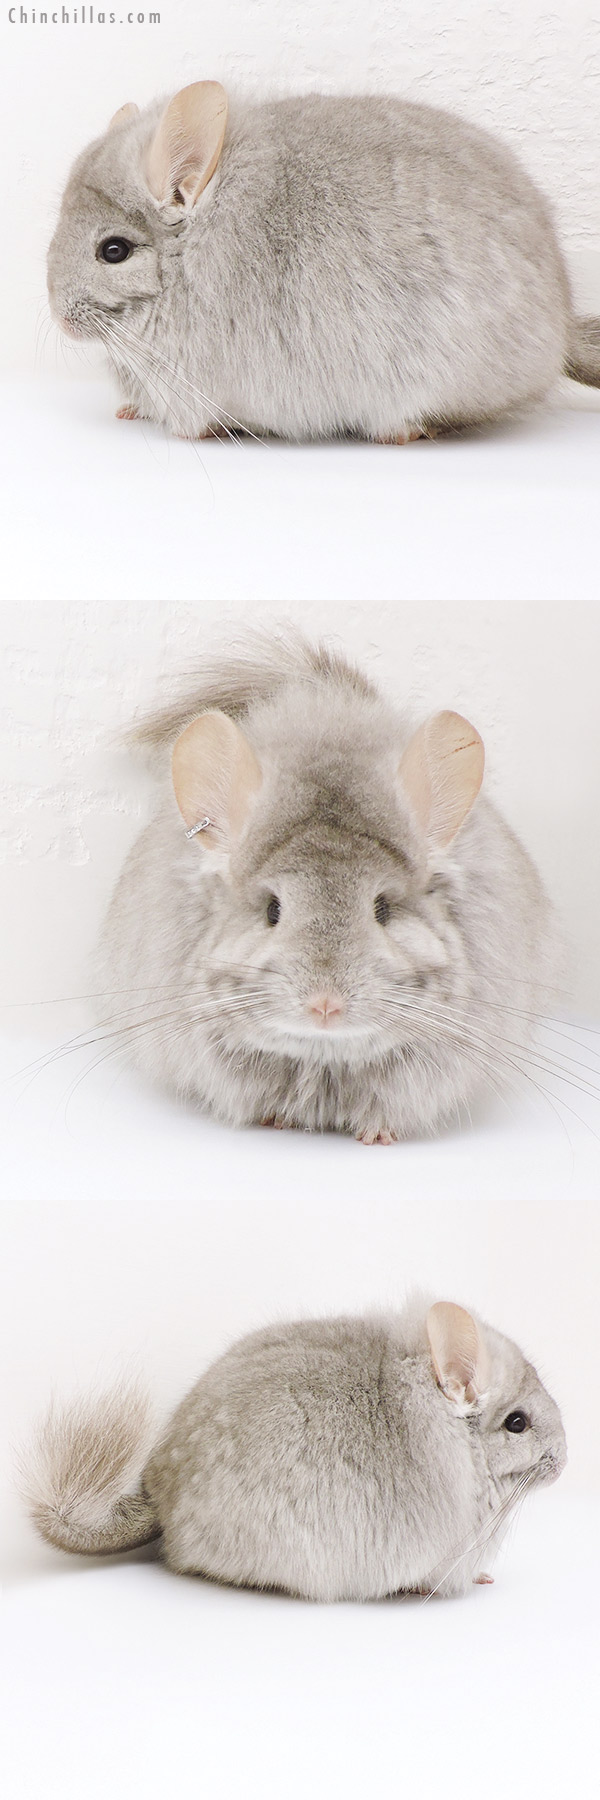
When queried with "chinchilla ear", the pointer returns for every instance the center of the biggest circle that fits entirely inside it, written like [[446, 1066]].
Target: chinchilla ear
[[441, 773], [187, 144], [216, 777], [129, 111], [460, 1357]]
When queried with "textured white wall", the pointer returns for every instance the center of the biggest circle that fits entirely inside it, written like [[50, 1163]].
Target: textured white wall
[[73, 799], [526, 69]]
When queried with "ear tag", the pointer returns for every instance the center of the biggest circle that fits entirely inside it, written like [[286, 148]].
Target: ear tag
[[203, 825]]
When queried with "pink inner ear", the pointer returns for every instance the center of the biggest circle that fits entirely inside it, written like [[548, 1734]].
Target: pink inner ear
[[441, 773], [129, 111], [215, 775], [459, 1355], [187, 144]]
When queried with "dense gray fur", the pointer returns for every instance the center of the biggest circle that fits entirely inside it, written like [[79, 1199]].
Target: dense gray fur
[[320, 1458], [213, 1002], [359, 265]]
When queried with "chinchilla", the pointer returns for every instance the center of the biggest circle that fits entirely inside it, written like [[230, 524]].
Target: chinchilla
[[337, 1459], [324, 924], [314, 267]]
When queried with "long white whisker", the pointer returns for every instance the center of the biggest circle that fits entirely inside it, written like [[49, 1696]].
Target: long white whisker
[[485, 1532], [167, 369]]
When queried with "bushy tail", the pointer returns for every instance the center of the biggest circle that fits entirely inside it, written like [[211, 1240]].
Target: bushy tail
[[583, 356], [75, 1480], [251, 669]]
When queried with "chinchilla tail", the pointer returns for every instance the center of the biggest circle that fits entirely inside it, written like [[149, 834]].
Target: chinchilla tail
[[249, 669], [75, 1479], [583, 355]]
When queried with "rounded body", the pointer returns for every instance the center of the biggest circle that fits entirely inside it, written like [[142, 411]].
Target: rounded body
[[324, 1459], [362, 265], [318, 1458], [437, 1003], [336, 1459]]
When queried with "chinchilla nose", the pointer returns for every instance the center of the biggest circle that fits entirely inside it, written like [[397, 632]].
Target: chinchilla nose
[[324, 1007]]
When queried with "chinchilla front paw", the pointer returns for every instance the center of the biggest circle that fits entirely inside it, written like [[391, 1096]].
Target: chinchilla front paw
[[371, 1135]]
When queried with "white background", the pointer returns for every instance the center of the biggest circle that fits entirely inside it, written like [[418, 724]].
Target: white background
[[526, 69]]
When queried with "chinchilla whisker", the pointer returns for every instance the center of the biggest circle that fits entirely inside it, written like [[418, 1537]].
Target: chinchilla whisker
[[170, 377], [167, 369], [441, 1019], [45, 325], [129, 353], [539, 1015], [487, 1531], [465, 1038], [138, 358], [547, 1061], [522, 1069], [87, 1039], [185, 990], [545, 1022], [128, 361], [167, 1029], [130, 357]]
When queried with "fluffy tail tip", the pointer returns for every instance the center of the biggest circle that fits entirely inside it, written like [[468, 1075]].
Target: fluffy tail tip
[[583, 355], [74, 1478]]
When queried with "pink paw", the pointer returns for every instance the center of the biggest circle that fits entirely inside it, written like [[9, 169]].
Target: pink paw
[[483, 1580], [274, 1123], [402, 437], [202, 437], [127, 412], [376, 1137]]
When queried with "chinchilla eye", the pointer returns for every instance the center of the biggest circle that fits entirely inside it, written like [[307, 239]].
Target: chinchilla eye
[[273, 910], [382, 909], [115, 250], [517, 1421]]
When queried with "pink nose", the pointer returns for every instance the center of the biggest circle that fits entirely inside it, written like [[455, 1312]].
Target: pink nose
[[325, 1007]]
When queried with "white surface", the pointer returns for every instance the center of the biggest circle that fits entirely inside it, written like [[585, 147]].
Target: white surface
[[125, 1681], [102, 508], [525, 69], [73, 799]]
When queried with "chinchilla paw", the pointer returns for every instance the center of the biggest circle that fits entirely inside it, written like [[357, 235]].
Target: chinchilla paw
[[402, 437], [127, 412], [203, 437], [376, 1137], [483, 1580]]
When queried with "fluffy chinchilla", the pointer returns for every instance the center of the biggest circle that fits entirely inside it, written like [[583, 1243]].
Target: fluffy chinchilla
[[314, 267], [337, 1459], [325, 924]]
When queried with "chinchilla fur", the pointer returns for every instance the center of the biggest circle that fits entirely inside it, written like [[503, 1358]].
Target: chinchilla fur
[[337, 1459], [355, 265], [323, 958]]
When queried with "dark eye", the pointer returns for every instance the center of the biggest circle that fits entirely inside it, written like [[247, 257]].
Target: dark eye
[[115, 250], [273, 910], [382, 909], [517, 1421]]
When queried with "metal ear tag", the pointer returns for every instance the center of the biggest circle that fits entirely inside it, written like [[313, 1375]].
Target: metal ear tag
[[202, 825]]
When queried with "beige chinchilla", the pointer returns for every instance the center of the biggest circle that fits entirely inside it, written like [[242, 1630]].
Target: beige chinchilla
[[314, 267], [337, 1459], [325, 924]]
